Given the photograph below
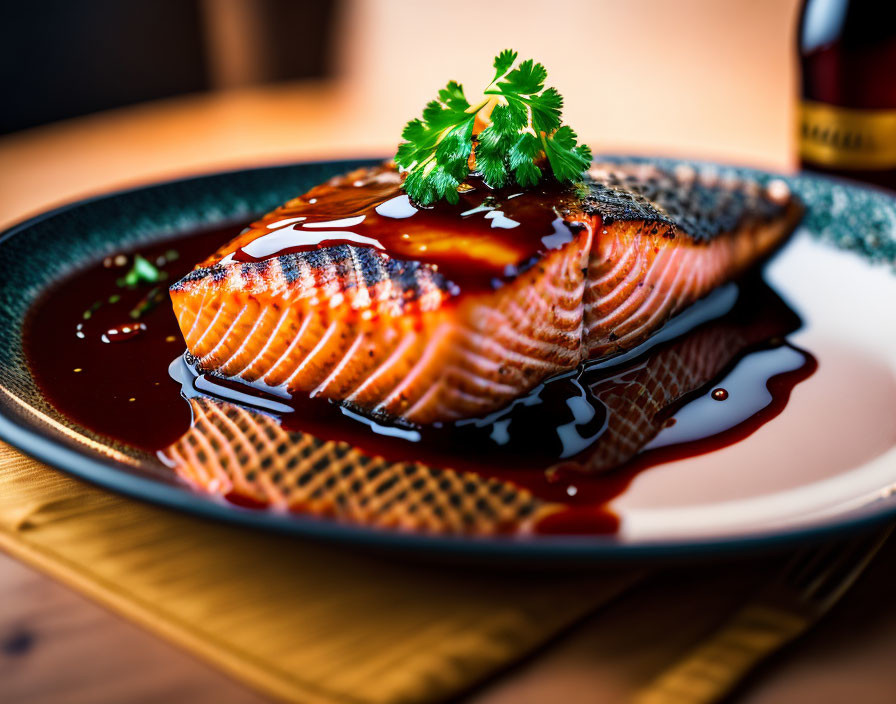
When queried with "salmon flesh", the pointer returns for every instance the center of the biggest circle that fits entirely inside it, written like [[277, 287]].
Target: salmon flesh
[[352, 293]]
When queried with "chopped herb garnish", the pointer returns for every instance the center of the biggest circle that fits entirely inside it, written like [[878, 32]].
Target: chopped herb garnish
[[524, 132], [147, 303], [143, 271], [114, 298], [90, 311]]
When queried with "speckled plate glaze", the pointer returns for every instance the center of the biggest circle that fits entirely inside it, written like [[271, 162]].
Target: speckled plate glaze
[[827, 464]]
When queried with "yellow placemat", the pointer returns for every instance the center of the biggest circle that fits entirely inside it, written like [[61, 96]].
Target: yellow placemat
[[301, 621]]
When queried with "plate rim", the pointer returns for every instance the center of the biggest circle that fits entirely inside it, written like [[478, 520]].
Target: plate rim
[[107, 474]]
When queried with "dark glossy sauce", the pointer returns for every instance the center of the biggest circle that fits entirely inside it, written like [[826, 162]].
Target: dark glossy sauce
[[119, 389], [484, 240], [560, 441]]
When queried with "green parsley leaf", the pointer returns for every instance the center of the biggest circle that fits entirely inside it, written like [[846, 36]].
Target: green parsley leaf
[[155, 296], [524, 131], [142, 271], [503, 62], [567, 160], [495, 142], [526, 79], [522, 160], [546, 111]]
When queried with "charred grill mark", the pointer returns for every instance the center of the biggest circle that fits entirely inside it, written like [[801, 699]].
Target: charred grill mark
[[245, 270], [344, 267], [405, 277], [290, 266], [612, 204], [321, 260], [370, 266], [216, 272], [700, 204], [342, 263]]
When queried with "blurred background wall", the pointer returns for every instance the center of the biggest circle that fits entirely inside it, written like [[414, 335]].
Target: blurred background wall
[[636, 74], [64, 58], [121, 92]]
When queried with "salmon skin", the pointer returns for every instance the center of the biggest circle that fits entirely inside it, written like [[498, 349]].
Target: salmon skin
[[353, 293]]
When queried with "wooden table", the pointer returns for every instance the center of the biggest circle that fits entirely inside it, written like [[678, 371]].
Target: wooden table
[[55, 646]]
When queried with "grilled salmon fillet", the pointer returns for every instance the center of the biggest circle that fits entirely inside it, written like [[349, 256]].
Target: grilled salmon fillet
[[462, 313]]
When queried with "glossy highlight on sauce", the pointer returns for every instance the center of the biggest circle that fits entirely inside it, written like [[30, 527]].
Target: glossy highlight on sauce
[[577, 440], [487, 238]]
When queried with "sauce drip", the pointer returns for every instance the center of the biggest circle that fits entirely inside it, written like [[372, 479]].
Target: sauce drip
[[563, 441], [486, 239]]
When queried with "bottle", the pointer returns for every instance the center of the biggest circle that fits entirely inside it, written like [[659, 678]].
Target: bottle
[[847, 112]]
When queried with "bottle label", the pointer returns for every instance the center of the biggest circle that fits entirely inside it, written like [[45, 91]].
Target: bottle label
[[830, 135]]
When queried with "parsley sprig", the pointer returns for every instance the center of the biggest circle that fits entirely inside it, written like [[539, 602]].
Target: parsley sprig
[[524, 132]]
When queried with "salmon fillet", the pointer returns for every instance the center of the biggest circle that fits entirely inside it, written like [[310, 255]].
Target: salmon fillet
[[394, 334]]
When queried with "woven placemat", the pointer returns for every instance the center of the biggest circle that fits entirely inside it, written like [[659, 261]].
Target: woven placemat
[[300, 621]]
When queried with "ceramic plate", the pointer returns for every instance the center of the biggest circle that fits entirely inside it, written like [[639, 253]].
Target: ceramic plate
[[826, 463]]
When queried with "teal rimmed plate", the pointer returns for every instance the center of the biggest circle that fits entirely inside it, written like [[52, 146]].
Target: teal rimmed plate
[[827, 464]]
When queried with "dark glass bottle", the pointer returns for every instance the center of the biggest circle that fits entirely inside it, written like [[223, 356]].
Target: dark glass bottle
[[847, 112]]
